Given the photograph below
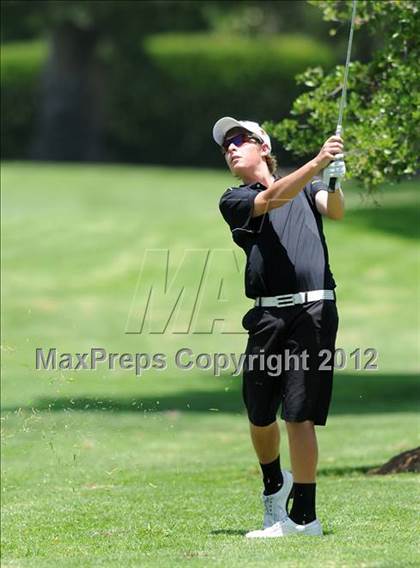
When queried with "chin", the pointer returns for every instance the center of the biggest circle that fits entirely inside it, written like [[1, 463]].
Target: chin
[[237, 170]]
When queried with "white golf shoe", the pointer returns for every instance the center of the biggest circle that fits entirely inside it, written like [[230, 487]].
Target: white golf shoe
[[287, 527], [275, 504]]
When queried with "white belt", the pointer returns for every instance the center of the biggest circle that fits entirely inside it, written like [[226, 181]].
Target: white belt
[[292, 299]]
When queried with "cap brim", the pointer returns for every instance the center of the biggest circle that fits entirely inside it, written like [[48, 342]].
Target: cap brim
[[222, 126]]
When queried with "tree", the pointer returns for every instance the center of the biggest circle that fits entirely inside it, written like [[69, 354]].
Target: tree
[[383, 103], [97, 44], [72, 115]]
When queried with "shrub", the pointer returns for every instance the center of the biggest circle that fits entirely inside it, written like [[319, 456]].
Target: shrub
[[194, 79], [21, 68], [162, 100]]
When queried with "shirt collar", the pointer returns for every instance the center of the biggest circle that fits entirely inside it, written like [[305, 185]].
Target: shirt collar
[[258, 185]]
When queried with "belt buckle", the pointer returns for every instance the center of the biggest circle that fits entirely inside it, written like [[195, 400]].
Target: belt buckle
[[300, 297]]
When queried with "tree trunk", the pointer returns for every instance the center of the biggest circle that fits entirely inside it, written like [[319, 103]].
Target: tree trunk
[[70, 116]]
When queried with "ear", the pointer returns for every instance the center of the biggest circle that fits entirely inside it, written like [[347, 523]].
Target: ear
[[265, 150]]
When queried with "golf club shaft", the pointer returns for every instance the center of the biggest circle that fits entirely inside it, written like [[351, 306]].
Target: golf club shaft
[[343, 100]]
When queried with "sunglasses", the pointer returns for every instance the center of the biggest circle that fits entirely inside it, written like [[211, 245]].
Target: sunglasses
[[238, 140]]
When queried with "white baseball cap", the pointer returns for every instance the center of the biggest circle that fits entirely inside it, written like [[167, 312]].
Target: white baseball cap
[[223, 125]]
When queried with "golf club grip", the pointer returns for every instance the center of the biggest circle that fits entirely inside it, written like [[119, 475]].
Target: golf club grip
[[338, 131], [331, 185]]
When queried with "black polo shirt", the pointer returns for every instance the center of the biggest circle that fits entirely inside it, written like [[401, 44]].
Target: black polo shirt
[[285, 248]]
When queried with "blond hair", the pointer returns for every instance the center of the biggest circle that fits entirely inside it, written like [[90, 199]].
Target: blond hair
[[271, 163]]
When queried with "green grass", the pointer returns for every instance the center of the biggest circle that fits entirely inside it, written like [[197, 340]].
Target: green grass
[[103, 468]]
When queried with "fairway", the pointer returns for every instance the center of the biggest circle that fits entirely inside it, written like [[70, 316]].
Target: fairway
[[106, 468]]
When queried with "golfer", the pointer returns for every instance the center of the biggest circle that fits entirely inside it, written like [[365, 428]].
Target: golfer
[[277, 221]]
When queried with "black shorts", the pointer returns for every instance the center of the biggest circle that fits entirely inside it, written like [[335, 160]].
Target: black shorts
[[293, 376]]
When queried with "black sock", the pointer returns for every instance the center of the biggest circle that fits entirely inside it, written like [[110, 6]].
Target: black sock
[[303, 508], [272, 476]]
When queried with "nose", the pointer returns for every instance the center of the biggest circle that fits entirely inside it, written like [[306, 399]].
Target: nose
[[232, 147]]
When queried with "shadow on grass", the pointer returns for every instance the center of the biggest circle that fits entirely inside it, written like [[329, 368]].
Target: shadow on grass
[[348, 471], [240, 532], [398, 220], [353, 394]]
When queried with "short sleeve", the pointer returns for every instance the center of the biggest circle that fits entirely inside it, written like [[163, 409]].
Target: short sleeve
[[236, 206], [312, 188], [317, 184]]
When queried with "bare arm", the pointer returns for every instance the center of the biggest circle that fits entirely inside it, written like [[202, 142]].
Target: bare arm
[[330, 204], [283, 190]]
